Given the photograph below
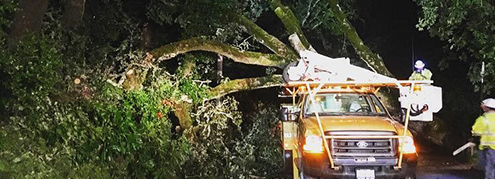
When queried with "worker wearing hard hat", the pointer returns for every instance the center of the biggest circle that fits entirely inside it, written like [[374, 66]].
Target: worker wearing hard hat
[[485, 127], [420, 72]]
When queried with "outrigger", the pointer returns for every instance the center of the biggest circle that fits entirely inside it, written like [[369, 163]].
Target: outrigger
[[337, 128]]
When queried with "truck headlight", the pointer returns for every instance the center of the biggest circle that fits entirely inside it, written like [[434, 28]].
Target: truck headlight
[[313, 144], [408, 145]]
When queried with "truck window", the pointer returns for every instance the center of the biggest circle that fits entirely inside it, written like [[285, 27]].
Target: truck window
[[343, 104], [378, 105]]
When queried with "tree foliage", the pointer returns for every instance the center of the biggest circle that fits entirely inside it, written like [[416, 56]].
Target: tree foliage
[[58, 128], [221, 141], [85, 99], [467, 27]]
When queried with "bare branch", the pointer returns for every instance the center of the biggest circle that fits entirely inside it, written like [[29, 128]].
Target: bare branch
[[245, 84], [271, 42], [169, 51]]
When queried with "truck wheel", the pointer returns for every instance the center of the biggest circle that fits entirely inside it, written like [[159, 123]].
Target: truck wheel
[[304, 176], [410, 173], [410, 176]]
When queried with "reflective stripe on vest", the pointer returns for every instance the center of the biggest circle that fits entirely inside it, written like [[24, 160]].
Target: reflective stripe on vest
[[487, 136]]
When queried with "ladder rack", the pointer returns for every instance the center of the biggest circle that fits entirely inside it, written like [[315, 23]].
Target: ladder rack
[[397, 83]]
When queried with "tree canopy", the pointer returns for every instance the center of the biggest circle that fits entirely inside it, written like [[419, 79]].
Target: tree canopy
[[467, 27]]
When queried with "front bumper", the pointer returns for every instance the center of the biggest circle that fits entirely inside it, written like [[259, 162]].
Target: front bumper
[[317, 165]]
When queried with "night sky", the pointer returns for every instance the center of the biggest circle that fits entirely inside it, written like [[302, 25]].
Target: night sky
[[389, 26]]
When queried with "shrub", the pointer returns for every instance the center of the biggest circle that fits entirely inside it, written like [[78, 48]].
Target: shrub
[[221, 150]]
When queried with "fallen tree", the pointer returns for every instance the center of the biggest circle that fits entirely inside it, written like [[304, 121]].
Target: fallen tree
[[282, 54]]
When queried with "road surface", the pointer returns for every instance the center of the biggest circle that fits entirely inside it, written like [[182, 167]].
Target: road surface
[[436, 164]]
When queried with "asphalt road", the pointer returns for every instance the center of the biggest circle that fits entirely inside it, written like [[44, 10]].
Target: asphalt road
[[435, 164], [449, 174]]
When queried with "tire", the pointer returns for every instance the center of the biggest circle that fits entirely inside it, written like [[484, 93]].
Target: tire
[[410, 176], [302, 175], [285, 73]]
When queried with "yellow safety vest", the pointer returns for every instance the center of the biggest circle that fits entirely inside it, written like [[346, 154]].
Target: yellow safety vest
[[423, 75], [485, 127]]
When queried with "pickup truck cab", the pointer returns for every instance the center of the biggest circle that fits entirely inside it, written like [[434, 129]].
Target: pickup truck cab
[[359, 140]]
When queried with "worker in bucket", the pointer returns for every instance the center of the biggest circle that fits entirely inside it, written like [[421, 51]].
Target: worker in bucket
[[420, 72], [485, 128]]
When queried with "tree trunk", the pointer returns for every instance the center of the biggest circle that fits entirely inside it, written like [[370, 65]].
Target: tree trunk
[[73, 12], [29, 18], [182, 111], [374, 61], [296, 43], [197, 44], [290, 22]]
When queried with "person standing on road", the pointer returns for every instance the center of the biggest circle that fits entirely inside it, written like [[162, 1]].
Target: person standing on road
[[420, 72], [485, 127]]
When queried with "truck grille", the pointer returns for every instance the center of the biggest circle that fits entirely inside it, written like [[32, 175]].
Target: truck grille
[[362, 147]]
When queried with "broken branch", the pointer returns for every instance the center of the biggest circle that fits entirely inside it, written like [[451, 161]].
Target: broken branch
[[271, 42], [169, 51], [245, 84]]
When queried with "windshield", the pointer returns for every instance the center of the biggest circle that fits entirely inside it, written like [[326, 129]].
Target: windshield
[[344, 104]]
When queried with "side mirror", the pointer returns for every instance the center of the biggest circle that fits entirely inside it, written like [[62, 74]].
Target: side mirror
[[287, 115], [402, 115]]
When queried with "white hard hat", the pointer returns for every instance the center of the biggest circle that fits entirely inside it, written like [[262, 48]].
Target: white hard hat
[[419, 64], [489, 102]]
